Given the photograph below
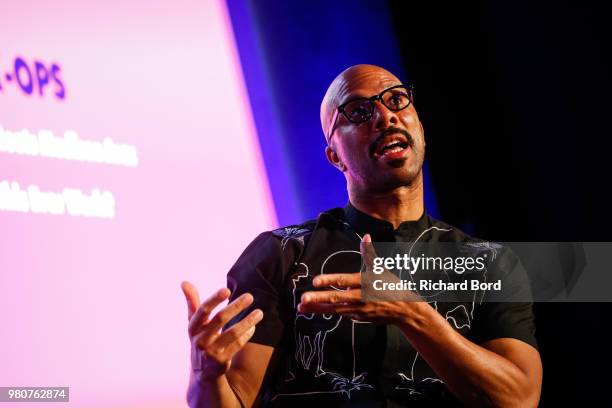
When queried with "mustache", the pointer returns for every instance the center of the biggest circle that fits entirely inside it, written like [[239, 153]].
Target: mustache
[[389, 131]]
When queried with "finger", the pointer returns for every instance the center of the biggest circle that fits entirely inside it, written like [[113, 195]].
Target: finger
[[228, 312], [332, 296], [346, 280], [367, 251], [237, 345], [192, 297], [203, 312], [236, 332], [328, 308]]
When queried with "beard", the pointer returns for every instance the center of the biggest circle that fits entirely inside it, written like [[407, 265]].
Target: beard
[[403, 176], [403, 172]]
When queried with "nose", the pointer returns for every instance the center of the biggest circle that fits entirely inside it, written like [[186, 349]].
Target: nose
[[383, 117]]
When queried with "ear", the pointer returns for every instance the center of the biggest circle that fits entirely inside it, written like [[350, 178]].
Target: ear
[[334, 159]]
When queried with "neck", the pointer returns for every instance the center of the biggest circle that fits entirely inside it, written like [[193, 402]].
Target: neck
[[401, 204]]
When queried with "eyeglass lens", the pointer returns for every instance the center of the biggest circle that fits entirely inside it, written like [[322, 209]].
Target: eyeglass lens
[[361, 110]]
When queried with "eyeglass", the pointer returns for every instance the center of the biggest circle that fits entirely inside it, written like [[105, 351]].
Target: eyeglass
[[360, 110]]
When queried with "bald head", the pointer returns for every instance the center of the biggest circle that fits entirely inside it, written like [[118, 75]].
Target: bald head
[[348, 84]]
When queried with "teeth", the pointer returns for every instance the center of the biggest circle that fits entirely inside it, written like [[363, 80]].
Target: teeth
[[392, 146], [394, 150]]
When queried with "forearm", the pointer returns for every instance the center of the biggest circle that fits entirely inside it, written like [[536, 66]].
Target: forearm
[[211, 394], [477, 376]]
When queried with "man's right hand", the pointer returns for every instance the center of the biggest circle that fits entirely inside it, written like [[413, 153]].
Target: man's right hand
[[211, 349]]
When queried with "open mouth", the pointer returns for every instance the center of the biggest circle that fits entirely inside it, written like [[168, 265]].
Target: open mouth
[[391, 144]]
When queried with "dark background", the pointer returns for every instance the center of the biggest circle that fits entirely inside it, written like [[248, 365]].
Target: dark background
[[514, 97]]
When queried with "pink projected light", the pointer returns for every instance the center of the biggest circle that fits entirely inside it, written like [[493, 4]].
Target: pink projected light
[[128, 163]]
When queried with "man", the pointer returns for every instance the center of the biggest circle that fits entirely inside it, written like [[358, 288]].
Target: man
[[297, 331]]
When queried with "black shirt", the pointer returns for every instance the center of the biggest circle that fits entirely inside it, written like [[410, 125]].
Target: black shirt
[[330, 360]]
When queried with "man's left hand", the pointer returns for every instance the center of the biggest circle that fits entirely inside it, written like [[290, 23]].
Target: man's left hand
[[344, 296]]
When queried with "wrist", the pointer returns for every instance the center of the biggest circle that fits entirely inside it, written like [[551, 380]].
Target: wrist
[[206, 371], [419, 318], [211, 391], [205, 378]]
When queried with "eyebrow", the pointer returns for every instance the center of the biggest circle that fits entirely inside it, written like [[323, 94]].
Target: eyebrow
[[359, 95], [353, 96]]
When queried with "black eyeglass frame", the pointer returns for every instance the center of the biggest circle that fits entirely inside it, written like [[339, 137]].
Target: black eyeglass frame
[[372, 99]]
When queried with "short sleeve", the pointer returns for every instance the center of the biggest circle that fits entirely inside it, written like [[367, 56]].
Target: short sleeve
[[260, 271], [513, 319]]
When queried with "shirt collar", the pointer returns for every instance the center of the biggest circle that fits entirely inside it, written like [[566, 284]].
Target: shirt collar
[[382, 230]]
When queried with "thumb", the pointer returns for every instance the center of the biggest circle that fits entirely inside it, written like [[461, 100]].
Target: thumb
[[367, 251], [192, 297]]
